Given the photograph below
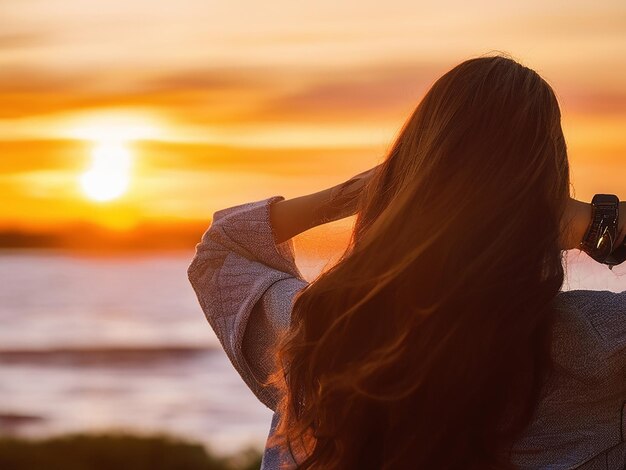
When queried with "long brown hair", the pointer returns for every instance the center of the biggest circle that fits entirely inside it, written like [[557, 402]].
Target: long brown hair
[[427, 345]]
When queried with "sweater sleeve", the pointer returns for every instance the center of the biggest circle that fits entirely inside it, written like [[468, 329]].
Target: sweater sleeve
[[245, 283]]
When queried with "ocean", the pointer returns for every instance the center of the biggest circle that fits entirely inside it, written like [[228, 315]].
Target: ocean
[[120, 343]]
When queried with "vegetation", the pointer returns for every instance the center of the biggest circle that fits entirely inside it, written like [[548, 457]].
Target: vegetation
[[119, 452]]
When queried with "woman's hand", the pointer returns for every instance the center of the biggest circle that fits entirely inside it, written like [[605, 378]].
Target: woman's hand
[[293, 216], [344, 198]]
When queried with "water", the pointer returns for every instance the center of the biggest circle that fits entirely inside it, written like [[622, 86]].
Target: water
[[121, 343], [116, 343]]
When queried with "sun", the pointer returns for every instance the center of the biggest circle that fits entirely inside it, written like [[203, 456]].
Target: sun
[[108, 177]]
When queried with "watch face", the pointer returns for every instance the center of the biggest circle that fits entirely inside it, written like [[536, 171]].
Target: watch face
[[601, 237], [605, 199]]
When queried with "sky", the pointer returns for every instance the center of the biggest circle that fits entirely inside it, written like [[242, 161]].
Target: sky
[[118, 113]]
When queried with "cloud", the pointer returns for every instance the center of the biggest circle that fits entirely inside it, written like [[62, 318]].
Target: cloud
[[304, 94], [24, 156], [371, 92], [236, 94], [275, 161], [597, 101], [19, 39], [32, 79], [215, 78], [221, 94]]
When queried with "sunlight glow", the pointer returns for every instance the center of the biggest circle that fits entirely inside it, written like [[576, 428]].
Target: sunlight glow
[[109, 175], [112, 125]]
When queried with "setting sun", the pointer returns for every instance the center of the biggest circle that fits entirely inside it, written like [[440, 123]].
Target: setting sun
[[108, 177]]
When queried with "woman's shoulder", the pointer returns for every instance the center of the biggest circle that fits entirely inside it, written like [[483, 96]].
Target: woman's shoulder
[[593, 299], [598, 315], [589, 335], [581, 417]]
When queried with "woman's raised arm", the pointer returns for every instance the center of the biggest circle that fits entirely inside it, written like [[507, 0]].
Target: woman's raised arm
[[296, 215]]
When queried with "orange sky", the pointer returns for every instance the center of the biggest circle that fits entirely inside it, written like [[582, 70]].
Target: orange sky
[[224, 102]]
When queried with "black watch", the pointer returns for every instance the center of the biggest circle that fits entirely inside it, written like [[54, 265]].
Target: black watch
[[601, 235]]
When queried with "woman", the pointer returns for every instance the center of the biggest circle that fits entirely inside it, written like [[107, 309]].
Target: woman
[[441, 339]]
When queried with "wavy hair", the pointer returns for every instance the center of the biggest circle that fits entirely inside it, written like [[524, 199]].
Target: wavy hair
[[428, 344]]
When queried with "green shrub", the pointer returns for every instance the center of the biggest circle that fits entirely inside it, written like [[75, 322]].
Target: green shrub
[[117, 452]]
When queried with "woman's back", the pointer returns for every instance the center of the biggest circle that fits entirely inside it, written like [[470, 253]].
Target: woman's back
[[581, 418]]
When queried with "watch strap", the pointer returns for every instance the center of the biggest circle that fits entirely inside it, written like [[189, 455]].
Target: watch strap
[[600, 238]]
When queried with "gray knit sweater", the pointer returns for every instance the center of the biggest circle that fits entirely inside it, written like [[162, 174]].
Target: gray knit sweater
[[245, 284]]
